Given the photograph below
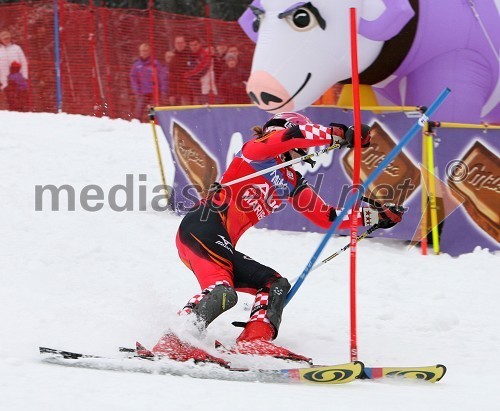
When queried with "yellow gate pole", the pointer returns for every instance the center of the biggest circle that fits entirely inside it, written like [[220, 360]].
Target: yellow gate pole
[[432, 189], [151, 114], [425, 184]]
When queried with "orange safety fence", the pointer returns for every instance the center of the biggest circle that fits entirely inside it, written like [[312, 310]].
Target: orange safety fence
[[97, 48]]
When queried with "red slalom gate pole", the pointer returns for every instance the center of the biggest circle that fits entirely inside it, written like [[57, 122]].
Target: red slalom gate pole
[[355, 181]]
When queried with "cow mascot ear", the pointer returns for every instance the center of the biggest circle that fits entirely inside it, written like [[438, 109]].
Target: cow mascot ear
[[396, 15]]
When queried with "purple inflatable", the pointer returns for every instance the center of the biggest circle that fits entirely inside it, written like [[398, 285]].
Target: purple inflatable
[[409, 50]]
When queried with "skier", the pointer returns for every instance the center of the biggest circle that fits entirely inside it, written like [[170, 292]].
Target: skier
[[208, 234]]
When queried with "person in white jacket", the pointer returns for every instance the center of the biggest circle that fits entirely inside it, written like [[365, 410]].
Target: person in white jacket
[[10, 52]]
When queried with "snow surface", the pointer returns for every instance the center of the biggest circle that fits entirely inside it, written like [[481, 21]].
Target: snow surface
[[93, 281]]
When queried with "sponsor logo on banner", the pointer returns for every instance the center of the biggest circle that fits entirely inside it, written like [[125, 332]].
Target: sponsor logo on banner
[[200, 167], [476, 178]]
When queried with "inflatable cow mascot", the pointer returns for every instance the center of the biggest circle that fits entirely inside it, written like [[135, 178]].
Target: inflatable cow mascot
[[409, 50]]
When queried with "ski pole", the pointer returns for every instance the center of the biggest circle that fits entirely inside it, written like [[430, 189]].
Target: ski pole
[[335, 254], [374, 203], [358, 238], [285, 164], [373, 175]]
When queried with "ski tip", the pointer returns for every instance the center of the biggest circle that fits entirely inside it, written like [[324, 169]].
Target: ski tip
[[432, 373], [443, 367]]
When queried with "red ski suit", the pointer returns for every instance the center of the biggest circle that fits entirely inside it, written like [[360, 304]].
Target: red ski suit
[[209, 232]]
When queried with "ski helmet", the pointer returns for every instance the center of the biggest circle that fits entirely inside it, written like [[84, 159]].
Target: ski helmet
[[285, 120]]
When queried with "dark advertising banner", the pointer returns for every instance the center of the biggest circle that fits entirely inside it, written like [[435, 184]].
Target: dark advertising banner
[[203, 142]]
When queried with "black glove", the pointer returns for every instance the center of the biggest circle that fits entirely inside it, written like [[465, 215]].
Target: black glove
[[343, 127], [332, 214], [214, 188], [365, 136], [389, 215]]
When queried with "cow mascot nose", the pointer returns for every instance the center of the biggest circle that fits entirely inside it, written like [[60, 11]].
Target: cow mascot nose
[[267, 92]]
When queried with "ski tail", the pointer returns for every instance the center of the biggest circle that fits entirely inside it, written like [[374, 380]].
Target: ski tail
[[65, 354]]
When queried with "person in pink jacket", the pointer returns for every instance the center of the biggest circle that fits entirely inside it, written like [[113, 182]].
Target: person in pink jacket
[[9, 53]]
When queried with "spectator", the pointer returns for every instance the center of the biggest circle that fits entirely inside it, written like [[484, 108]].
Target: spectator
[[208, 86], [143, 76], [9, 53], [244, 59], [165, 77], [178, 89], [199, 65], [232, 85], [234, 50], [218, 61], [17, 89]]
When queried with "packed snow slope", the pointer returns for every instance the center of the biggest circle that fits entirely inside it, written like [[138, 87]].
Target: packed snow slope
[[92, 281]]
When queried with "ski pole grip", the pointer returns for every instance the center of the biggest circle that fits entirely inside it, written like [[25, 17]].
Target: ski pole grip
[[374, 203]]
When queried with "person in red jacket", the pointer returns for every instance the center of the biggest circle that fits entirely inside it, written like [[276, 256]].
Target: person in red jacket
[[199, 65], [209, 233]]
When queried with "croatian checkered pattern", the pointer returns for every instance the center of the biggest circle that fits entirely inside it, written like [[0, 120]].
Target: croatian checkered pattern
[[370, 216], [194, 301], [316, 132], [259, 308]]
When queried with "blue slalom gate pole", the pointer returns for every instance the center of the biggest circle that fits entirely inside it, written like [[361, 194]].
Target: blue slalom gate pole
[[57, 45], [353, 198]]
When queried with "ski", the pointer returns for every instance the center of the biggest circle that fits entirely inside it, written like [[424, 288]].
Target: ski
[[432, 373], [331, 374]]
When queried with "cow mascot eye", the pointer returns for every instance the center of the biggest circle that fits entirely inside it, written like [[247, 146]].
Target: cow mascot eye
[[302, 20], [258, 14]]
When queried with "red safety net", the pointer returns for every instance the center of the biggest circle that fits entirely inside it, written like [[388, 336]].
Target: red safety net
[[97, 50]]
